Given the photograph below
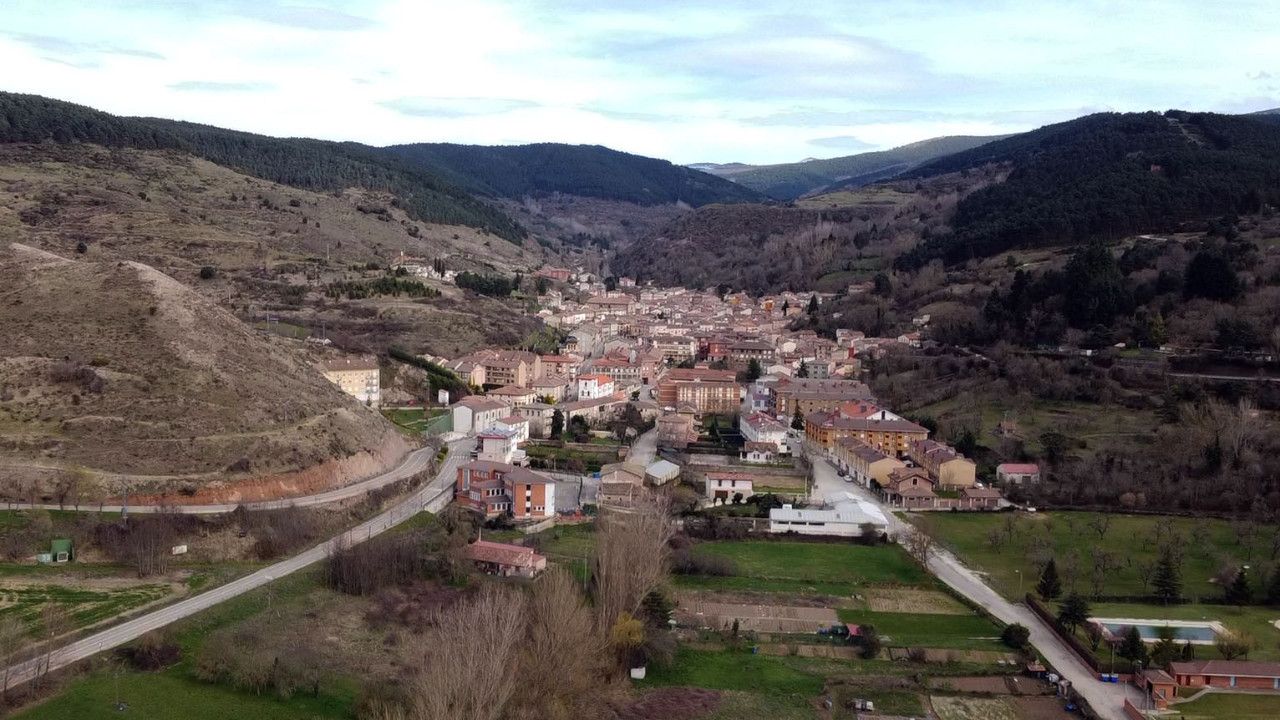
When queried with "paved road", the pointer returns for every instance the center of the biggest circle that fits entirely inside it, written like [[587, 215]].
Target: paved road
[[433, 496], [413, 463], [1106, 699], [644, 449]]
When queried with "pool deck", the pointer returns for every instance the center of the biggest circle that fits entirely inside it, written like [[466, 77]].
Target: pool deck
[[1217, 627]]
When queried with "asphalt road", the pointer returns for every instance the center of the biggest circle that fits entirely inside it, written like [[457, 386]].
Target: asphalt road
[[413, 463], [1106, 699], [432, 496], [644, 449]]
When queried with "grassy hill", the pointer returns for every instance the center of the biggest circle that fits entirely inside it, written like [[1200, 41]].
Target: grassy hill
[[792, 180], [587, 170], [115, 370]]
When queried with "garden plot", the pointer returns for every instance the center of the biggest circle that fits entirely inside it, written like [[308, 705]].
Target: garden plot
[[757, 618], [913, 600], [85, 603], [966, 708]]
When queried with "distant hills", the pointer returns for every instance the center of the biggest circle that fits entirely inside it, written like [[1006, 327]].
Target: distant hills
[[1108, 175], [438, 183], [515, 171], [789, 181]]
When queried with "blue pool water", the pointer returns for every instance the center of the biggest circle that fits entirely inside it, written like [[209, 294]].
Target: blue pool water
[[1150, 632]]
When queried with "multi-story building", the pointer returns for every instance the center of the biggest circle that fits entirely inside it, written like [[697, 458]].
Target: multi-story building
[[592, 387], [495, 488], [677, 430], [624, 372], [948, 467], [864, 463], [501, 367], [472, 413], [759, 427], [513, 394], [499, 444], [356, 376], [566, 365], [703, 389], [810, 395], [891, 437], [675, 348]]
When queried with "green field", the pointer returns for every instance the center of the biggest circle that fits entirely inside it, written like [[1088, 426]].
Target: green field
[[1229, 706], [175, 693], [1129, 538], [85, 607], [413, 419], [832, 568], [963, 632]]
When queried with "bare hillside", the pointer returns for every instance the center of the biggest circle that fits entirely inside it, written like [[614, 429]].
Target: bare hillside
[[111, 372], [274, 249]]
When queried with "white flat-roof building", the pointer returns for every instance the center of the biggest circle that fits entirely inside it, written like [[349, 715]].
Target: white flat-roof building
[[846, 519]]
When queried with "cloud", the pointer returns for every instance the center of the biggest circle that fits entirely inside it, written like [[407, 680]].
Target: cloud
[[842, 142], [1260, 75], [305, 17], [214, 86], [454, 107], [79, 53]]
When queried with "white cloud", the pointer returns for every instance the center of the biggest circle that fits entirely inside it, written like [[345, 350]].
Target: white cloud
[[698, 80]]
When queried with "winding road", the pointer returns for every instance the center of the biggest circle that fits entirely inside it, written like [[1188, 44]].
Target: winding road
[[413, 463], [1106, 699], [431, 497]]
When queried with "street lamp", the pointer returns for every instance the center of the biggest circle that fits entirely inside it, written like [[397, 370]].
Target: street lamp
[[1020, 595]]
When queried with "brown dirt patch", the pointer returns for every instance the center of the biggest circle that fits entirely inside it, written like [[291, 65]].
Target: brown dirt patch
[[913, 600], [671, 704], [757, 618], [1040, 708]]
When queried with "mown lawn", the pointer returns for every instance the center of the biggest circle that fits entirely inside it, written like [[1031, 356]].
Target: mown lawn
[[797, 679], [1228, 706], [818, 563], [966, 632], [1129, 538]]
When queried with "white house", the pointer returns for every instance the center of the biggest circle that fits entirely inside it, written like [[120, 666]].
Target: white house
[[846, 519], [1018, 473], [760, 428], [592, 387], [499, 445], [722, 487], [472, 414], [518, 425]]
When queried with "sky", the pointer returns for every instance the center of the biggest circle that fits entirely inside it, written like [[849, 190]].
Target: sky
[[690, 81]]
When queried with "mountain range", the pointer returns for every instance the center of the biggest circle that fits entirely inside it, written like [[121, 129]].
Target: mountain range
[[789, 181]]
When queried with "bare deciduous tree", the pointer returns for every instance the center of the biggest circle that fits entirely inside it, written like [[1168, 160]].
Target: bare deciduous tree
[[470, 661], [919, 541], [563, 657], [630, 559], [13, 640]]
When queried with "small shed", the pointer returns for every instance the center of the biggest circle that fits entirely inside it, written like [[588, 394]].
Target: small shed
[[61, 550], [661, 472]]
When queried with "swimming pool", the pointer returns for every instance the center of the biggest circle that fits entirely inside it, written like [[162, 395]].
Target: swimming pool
[[1195, 632]]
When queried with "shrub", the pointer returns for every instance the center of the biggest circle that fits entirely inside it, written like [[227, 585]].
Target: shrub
[[1015, 636], [686, 562], [208, 272]]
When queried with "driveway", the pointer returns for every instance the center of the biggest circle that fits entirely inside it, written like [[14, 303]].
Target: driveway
[[644, 449], [433, 497], [1106, 699]]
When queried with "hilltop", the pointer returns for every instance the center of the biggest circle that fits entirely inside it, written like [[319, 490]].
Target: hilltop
[[113, 371], [516, 171], [789, 181]]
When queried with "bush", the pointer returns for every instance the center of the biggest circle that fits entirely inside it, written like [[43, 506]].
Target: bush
[[686, 562], [152, 651], [1015, 636], [208, 272]]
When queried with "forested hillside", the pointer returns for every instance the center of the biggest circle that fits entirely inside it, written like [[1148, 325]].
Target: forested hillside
[[515, 171], [301, 163], [1108, 176], [792, 180]]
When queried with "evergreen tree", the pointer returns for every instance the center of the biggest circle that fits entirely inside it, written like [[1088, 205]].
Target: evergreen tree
[[797, 419], [1050, 585], [803, 370], [786, 305], [557, 424], [1239, 592], [1074, 611], [1131, 647], [1166, 581], [813, 305], [754, 371], [1273, 588]]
